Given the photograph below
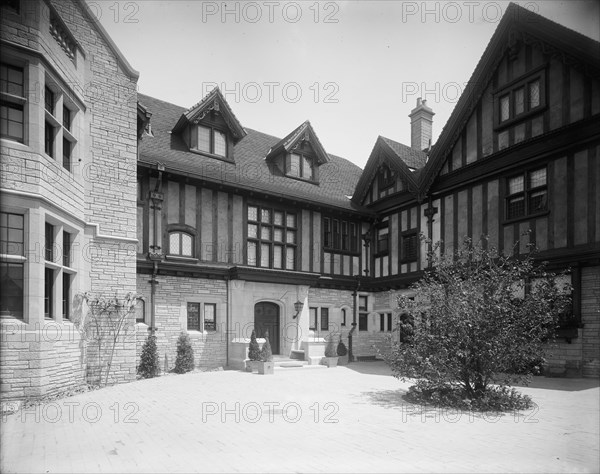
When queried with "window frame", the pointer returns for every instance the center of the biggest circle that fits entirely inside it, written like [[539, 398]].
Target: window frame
[[212, 145], [346, 236], [525, 194], [406, 238], [304, 158], [510, 90], [382, 250], [324, 318], [13, 99], [181, 233], [259, 241], [363, 313], [142, 304], [385, 182], [313, 318]]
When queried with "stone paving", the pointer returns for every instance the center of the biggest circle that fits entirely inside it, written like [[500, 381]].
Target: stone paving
[[347, 419]]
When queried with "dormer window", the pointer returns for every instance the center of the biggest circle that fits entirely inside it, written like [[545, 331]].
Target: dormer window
[[299, 166], [386, 178], [210, 140]]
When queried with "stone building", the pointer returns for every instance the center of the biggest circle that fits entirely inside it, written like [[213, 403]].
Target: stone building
[[67, 222], [239, 230]]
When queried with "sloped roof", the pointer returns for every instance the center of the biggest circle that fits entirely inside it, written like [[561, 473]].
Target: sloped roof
[[411, 157], [294, 136], [398, 157], [337, 177], [214, 100], [557, 39]]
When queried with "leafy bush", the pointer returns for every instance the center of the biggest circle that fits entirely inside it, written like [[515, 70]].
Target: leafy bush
[[266, 355], [149, 367], [253, 349], [330, 348], [455, 396], [185, 354], [472, 324], [341, 349]]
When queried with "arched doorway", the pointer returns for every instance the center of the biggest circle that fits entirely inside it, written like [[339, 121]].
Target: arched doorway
[[266, 318]]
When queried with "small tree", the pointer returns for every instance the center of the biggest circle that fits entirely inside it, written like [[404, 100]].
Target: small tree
[[342, 350], [330, 349], [185, 354], [253, 348], [149, 360], [266, 355], [473, 321]]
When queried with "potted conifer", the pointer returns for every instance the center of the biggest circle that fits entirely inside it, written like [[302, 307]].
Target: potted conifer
[[185, 355], [331, 357], [342, 352], [253, 354], [266, 366]]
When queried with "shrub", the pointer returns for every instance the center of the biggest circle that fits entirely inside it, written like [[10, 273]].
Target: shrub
[[471, 324], [253, 349], [341, 348], [149, 367], [266, 355], [330, 348], [185, 354], [455, 396]]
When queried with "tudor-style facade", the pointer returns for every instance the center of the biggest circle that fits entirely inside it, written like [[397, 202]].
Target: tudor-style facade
[[239, 230]]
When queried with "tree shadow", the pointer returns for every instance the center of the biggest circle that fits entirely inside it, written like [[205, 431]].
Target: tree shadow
[[559, 383], [371, 367]]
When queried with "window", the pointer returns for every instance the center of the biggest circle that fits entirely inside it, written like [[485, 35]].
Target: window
[[382, 240], [210, 317], [363, 315], [340, 235], [49, 100], [181, 243], [343, 316], [12, 87], [66, 295], [11, 289], [49, 133], [324, 319], [49, 242], [312, 324], [381, 322], [66, 249], [48, 293], [385, 178], [210, 140], [140, 311], [521, 98], [193, 316], [272, 238], [195, 321], [527, 194], [66, 154], [66, 121], [410, 247], [389, 322], [11, 272], [299, 166]]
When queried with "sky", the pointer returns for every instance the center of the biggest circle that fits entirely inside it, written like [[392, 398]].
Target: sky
[[353, 68]]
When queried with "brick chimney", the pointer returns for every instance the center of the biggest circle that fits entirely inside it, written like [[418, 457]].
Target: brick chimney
[[421, 120]]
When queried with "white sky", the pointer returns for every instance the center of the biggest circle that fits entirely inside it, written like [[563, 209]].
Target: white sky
[[353, 68]]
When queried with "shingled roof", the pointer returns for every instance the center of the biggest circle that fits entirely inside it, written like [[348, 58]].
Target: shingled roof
[[250, 170]]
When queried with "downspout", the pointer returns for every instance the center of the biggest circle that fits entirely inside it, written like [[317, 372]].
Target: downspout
[[155, 253], [227, 319], [429, 213]]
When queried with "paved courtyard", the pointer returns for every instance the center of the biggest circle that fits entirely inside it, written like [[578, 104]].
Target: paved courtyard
[[347, 419]]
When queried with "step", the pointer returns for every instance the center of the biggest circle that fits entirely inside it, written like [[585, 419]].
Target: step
[[297, 354], [287, 362]]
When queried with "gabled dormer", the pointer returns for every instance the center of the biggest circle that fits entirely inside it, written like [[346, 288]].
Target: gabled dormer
[[388, 171], [299, 155], [210, 127]]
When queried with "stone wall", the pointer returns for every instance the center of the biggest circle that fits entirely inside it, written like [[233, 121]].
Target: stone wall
[[590, 317], [172, 295]]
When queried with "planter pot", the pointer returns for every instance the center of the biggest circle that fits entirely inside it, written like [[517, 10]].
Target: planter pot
[[266, 368], [252, 365], [330, 361], [343, 360]]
